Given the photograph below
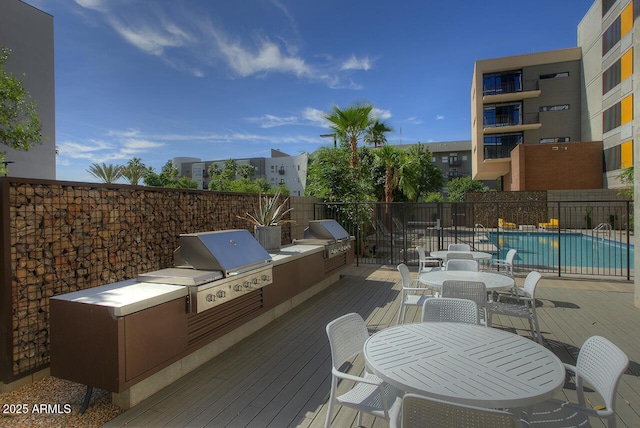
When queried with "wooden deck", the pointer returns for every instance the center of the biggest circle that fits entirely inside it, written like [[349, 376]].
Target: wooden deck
[[279, 377]]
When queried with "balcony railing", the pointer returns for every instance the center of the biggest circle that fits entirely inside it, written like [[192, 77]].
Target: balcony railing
[[500, 120]]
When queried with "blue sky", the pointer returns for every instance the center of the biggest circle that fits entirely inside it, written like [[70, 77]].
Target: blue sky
[[156, 79]]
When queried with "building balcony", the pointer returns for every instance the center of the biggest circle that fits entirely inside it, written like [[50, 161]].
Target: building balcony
[[502, 124], [530, 90]]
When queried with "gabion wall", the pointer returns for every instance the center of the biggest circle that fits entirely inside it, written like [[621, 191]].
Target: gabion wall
[[60, 237]]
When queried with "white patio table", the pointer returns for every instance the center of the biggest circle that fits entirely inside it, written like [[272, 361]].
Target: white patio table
[[477, 255], [493, 281], [465, 363]]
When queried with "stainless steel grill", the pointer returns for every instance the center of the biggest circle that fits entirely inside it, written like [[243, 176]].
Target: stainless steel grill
[[216, 266], [335, 238]]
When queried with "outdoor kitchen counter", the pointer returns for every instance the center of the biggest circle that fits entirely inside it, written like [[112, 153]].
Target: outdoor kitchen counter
[[126, 297], [291, 252]]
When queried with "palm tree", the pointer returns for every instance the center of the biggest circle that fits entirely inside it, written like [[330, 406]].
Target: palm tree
[[393, 160], [134, 171], [375, 134], [106, 173], [349, 125]]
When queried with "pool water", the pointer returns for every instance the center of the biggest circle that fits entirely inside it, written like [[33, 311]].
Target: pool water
[[550, 249]]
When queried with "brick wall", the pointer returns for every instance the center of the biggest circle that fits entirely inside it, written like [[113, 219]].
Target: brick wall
[[556, 166]]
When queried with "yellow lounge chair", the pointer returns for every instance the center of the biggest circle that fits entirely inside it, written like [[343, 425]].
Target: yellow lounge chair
[[551, 224], [505, 224]]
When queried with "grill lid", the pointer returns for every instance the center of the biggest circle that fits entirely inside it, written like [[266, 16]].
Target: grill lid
[[229, 251], [325, 229]]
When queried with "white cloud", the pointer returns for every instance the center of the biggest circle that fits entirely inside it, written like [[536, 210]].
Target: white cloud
[[270, 121], [354, 63], [92, 4], [413, 120], [151, 38], [266, 58], [379, 114], [439, 117], [315, 116]]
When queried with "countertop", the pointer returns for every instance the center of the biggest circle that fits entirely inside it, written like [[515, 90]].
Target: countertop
[[129, 296]]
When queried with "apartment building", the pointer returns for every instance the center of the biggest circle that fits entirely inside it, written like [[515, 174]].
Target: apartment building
[[28, 32], [561, 119], [279, 169], [606, 36]]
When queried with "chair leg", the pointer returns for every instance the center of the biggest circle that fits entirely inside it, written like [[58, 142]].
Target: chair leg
[[327, 422], [400, 313], [537, 327], [359, 419]]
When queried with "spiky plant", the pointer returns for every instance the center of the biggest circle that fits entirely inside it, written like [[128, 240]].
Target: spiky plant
[[269, 211]]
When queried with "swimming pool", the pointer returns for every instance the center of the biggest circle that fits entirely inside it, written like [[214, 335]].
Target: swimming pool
[[567, 249]]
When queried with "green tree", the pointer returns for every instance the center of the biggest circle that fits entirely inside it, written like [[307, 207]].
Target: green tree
[[106, 173], [393, 160], [134, 171], [626, 177], [20, 126], [421, 174], [375, 134], [168, 177], [350, 125], [459, 187]]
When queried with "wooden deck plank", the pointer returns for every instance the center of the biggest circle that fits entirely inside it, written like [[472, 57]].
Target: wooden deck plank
[[279, 376]]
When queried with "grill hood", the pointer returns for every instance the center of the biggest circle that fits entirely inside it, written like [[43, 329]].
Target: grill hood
[[229, 251], [329, 230]]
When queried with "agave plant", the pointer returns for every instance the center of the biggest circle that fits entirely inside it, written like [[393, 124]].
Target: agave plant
[[269, 212]]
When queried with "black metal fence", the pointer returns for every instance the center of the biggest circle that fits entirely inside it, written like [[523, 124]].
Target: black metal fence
[[568, 237]]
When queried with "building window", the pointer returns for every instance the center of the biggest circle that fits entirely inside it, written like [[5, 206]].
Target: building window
[[612, 159], [611, 118], [502, 83], [464, 157], [555, 140], [445, 159], [611, 36], [555, 108], [502, 115], [606, 5], [500, 146], [554, 75], [611, 77]]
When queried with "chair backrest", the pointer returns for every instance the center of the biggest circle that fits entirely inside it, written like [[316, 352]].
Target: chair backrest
[[459, 247], [462, 264], [419, 411], [601, 363], [464, 256], [347, 335], [530, 283], [447, 309], [511, 255], [421, 253], [405, 274], [472, 290]]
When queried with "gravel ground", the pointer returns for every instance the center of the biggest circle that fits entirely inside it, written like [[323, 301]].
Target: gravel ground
[[53, 402]]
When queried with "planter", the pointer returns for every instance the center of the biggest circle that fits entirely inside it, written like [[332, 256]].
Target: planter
[[270, 237]]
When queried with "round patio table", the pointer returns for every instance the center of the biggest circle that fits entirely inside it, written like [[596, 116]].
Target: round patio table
[[493, 281], [465, 363], [477, 255]]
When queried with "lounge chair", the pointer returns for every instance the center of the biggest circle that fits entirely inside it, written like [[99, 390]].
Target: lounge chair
[[551, 224], [505, 224]]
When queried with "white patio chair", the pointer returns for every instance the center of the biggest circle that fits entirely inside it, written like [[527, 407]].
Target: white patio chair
[[459, 256], [447, 309], [418, 412], [505, 265], [462, 264], [459, 247], [427, 264], [472, 290], [370, 394], [525, 309], [413, 292], [601, 364]]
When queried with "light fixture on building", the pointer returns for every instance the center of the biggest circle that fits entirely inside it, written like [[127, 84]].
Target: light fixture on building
[[329, 136]]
